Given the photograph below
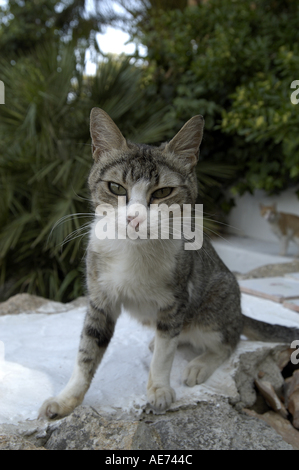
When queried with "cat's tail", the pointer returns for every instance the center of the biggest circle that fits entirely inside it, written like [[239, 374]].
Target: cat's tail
[[260, 331]]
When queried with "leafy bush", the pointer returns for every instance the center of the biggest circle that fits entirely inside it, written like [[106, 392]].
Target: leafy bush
[[233, 62], [262, 113]]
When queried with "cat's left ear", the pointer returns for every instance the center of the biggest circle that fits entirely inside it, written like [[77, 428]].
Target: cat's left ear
[[187, 141]]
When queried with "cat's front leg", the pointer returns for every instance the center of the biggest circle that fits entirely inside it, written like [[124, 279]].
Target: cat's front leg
[[97, 331], [159, 392]]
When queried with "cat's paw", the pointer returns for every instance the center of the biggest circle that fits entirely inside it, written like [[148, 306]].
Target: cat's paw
[[196, 373], [55, 408], [160, 398]]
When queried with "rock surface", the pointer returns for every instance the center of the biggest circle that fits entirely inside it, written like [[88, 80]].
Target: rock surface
[[16, 442], [208, 426], [281, 425], [26, 303], [271, 270]]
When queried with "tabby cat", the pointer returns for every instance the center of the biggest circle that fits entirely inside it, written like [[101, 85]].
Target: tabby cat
[[188, 296], [284, 226]]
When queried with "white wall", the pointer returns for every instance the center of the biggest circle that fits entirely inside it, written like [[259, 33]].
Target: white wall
[[245, 219]]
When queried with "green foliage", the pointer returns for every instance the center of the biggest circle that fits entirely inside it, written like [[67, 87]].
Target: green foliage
[[233, 62], [25, 25], [262, 112], [45, 158]]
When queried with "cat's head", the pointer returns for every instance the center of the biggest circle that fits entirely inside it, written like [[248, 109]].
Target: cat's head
[[268, 212], [142, 174]]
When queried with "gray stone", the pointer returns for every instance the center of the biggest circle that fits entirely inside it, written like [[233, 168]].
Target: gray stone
[[85, 429], [250, 364], [15, 442], [27, 435], [271, 270], [26, 303], [216, 426], [34, 431], [21, 303]]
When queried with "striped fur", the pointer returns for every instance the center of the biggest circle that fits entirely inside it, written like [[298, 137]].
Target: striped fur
[[186, 295]]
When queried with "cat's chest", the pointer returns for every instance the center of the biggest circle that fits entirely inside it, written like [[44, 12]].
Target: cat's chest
[[138, 275]]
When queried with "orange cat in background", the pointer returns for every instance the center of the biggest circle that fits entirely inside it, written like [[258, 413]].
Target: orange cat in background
[[284, 226]]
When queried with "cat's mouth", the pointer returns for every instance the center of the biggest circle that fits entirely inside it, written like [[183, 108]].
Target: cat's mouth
[[134, 223], [137, 230]]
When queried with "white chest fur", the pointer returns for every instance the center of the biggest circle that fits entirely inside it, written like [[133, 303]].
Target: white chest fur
[[137, 273]]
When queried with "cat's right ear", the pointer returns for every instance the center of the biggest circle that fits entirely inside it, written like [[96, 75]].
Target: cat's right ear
[[105, 134]]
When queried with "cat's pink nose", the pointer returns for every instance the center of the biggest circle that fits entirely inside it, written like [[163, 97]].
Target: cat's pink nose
[[136, 214], [133, 220]]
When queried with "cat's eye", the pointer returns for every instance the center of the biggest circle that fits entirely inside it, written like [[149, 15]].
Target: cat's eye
[[117, 189], [160, 193]]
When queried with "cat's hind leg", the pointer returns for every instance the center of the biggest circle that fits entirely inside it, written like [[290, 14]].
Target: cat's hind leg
[[203, 366]]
